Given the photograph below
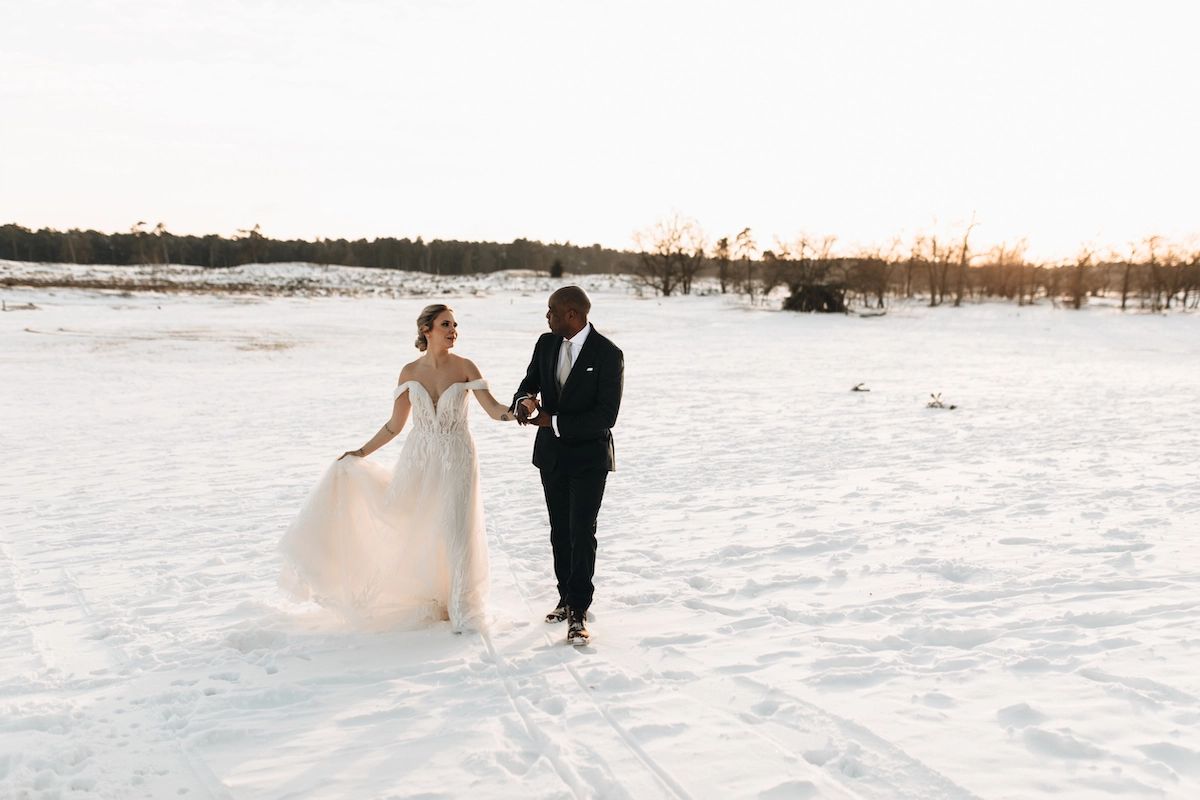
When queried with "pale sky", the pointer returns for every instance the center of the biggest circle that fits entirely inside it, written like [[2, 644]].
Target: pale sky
[[1060, 122]]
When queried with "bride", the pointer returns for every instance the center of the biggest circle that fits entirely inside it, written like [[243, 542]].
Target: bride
[[409, 546]]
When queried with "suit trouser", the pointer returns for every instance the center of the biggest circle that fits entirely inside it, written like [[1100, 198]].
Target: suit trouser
[[573, 500]]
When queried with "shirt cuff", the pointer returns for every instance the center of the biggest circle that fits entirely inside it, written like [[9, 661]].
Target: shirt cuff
[[554, 424]]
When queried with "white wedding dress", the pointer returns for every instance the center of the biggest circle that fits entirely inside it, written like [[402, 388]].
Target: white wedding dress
[[404, 548]]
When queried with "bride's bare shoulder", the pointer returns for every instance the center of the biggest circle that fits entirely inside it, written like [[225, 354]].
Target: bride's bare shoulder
[[469, 370], [409, 371]]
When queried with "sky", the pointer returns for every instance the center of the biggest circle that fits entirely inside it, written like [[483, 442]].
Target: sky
[[1066, 124]]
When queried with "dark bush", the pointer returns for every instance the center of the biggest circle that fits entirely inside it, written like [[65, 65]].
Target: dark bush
[[817, 298]]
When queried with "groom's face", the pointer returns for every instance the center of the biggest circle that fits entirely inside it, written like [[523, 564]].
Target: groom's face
[[560, 318]]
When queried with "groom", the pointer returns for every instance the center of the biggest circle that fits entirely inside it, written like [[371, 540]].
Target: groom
[[579, 375]]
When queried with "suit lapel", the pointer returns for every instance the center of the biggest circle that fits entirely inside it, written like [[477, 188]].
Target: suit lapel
[[549, 362]]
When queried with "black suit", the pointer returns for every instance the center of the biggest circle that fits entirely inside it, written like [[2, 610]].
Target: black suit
[[575, 464]]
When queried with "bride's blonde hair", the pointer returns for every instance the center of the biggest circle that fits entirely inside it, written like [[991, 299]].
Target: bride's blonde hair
[[425, 321]]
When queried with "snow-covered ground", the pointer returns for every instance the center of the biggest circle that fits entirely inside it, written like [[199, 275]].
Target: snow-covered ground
[[802, 591], [289, 279]]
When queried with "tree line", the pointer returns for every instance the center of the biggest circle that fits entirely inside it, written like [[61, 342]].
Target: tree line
[[142, 245], [670, 255], [1154, 273]]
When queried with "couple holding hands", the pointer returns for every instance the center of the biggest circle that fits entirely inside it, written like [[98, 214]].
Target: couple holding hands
[[408, 546]]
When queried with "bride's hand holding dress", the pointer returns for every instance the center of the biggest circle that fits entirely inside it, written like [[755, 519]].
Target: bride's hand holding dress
[[390, 430], [408, 546]]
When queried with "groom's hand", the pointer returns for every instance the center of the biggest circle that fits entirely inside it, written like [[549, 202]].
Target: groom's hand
[[522, 414], [542, 420], [524, 407]]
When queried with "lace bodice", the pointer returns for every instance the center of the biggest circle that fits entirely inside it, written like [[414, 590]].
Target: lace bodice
[[448, 415]]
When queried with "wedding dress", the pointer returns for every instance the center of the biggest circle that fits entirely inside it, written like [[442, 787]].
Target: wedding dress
[[403, 548]]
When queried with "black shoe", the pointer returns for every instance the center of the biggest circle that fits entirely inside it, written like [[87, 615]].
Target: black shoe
[[577, 633], [558, 614]]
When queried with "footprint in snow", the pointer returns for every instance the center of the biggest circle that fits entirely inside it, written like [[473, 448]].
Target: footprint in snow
[[683, 638], [1019, 716], [790, 790], [1060, 745], [938, 700]]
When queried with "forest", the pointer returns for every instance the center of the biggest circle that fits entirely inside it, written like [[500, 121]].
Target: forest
[[810, 272], [159, 246]]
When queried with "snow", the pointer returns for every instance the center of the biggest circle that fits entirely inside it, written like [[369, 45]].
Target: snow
[[283, 278], [802, 591]]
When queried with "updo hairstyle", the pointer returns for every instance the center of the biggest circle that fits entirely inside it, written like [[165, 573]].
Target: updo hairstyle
[[425, 321]]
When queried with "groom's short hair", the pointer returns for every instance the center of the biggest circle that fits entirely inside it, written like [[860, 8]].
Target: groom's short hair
[[572, 297]]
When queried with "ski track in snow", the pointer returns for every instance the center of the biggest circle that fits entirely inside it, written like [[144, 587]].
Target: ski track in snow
[[802, 592]]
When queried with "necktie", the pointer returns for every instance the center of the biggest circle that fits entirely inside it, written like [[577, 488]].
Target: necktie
[[564, 365]]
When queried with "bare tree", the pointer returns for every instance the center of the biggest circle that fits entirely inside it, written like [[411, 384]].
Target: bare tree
[[1192, 280], [1079, 274], [934, 274], [871, 272], [1002, 272], [1155, 288], [1172, 271], [771, 271], [139, 235], [915, 259], [160, 230], [671, 252], [721, 256], [744, 248], [1125, 279], [1018, 262], [963, 259]]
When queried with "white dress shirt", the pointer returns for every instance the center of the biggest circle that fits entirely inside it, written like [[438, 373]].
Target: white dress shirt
[[576, 347]]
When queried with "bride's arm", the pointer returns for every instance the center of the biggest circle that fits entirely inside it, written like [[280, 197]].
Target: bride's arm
[[493, 407], [393, 426]]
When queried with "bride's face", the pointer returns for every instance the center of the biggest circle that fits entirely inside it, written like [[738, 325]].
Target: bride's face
[[443, 332]]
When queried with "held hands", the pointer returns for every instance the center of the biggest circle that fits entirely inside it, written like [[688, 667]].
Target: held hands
[[528, 407], [523, 408]]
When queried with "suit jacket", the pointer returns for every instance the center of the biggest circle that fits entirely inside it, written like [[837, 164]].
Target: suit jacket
[[587, 408]]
